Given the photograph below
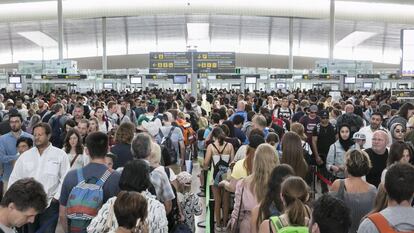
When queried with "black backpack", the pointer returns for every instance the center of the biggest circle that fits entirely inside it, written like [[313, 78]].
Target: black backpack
[[57, 131], [168, 153]]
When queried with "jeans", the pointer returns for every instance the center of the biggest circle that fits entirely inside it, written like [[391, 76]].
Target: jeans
[[45, 222]]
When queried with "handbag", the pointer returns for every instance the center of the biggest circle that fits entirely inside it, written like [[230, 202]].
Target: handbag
[[236, 228]]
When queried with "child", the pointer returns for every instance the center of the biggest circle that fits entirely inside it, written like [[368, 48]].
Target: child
[[190, 204], [360, 140], [109, 160]]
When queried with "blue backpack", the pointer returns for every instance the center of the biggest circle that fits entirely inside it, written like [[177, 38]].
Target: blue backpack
[[84, 201]]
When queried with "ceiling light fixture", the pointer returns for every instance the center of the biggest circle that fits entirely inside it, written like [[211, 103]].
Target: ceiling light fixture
[[39, 38]]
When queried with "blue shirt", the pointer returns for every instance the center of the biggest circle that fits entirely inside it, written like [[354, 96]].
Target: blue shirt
[[241, 113], [8, 152]]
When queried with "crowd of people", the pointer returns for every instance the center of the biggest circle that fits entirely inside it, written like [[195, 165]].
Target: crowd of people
[[280, 161]]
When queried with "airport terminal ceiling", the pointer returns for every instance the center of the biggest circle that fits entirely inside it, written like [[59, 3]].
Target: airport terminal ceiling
[[378, 41]]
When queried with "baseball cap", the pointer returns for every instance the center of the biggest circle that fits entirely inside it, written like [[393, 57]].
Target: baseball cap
[[313, 108], [360, 136], [324, 114], [184, 178]]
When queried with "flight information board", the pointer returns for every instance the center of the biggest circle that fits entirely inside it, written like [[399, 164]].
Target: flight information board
[[171, 62], [64, 76], [403, 94], [184, 62], [209, 62]]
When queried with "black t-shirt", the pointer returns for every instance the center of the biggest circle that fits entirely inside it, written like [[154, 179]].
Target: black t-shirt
[[326, 137], [378, 162], [280, 131]]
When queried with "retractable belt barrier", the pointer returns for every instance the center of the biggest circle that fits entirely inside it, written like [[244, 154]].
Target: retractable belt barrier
[[324, 179]]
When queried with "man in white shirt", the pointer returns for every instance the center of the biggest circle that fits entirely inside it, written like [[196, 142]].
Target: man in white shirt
[[47, 165], [375, 124]]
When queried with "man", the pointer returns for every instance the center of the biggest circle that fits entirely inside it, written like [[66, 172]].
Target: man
[[309, 122], [323, 136], [57, 121], [241, 105], [83, 127], [238, 124], [368, 131], [148, 116], [373, 107], [385, 110], [140, 107], [259, 122], [330, 215], [8, 150], [42, 108], [378, 154], [77, 113], [284, 112], [23, 111], [22, 202], [112, 113], [97, 149], [399, 215], [177, 138], [48, 165], [141, 149], [129, 112]]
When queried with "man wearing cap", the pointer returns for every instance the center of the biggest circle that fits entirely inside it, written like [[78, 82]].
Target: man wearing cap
[[310, 121], [360, 140], [323, 135]]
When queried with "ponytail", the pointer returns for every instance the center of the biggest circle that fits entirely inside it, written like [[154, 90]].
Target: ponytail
[[296, 212]]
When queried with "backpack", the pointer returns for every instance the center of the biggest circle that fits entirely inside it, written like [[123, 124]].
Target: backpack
[[57, 131], [277, 223], [168, 153], [84, 201], [221, 167], [190, 136], [382, 224], [174, 216], [194, 120]]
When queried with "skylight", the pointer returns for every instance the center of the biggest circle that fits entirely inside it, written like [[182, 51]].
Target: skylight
[[198, 31], [355, 38], [39, 38]]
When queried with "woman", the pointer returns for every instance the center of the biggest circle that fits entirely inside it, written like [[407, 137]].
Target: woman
[[220, 154], [357, 194], [244, 167], [74, 148], [335, 161], [272, 204], [131, 212], [228, 128], [404, 114], [292, 154], [400, 152], [93, 125], [294, 195], [300, 130], [122, 148], [397, 132], [104, 124], [135, 178], [249, 191]]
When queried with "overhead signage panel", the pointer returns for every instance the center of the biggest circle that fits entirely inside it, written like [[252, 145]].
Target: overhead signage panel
[[368, 76], [228, 76], [115, 76], [403, 94], [188, 62], [281, 76], [171, 62], [407, 45], [64, 76], [206, 62]]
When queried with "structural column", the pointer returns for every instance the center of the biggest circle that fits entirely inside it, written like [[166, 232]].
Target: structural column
[[60, 26], [332, 31], [104, 57], [290, 45], [194, 77]]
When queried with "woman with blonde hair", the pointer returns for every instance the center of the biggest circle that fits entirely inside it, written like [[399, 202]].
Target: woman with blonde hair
[[295, 195], [252, 190]]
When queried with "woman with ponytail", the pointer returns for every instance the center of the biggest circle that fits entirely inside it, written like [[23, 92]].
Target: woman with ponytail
[[219, 154], [296, 214]]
